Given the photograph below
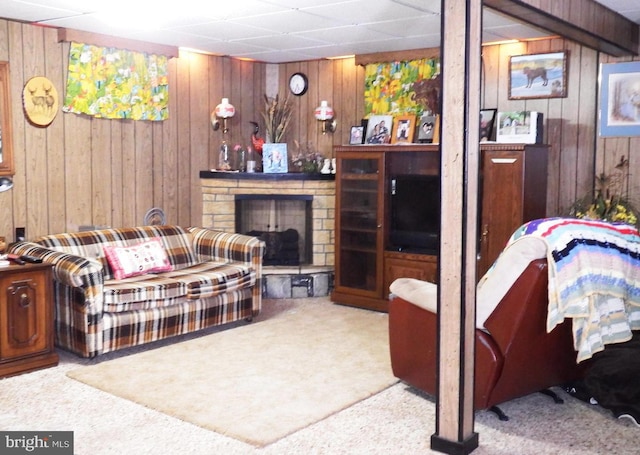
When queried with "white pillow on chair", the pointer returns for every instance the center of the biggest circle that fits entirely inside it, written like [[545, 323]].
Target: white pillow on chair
[[493, 286], [420, 293]]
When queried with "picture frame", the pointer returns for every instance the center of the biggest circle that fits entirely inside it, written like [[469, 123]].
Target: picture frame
[[619, 99], [535, 76], [404, 127], [426, 128], [379, 129], [6, 139], [356, 137], [274, 158], [487, 122], [519, 127]]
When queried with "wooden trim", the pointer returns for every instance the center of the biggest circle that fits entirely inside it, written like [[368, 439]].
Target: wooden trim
[[412, 54], [78, 36], [610, 33]]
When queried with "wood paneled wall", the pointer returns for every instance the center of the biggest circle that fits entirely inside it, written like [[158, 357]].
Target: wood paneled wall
[[83, 171], [341, 83], [569, 123]]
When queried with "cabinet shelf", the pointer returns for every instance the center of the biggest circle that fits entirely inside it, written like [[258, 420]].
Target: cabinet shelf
[[364, 230], [368, 176]]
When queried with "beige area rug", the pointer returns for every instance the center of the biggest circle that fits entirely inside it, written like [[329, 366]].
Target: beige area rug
[[259, 382]]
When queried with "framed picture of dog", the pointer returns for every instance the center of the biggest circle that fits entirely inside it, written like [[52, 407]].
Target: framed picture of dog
[[538, 76]]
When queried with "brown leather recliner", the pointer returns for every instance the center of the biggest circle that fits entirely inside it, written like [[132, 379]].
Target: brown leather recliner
[[515, 356]]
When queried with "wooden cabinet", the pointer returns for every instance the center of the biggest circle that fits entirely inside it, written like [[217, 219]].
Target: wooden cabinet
[[26, 319], [405, 265], [512, 190], [363, 270], [359, 234]]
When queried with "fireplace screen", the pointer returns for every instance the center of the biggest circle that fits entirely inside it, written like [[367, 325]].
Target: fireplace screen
[[283, 222]]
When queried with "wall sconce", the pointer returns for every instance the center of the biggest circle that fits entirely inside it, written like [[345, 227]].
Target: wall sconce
[[5, 184], [223, 111], [324, 114]]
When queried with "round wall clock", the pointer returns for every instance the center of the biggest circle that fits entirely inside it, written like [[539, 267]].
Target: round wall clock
[[298, 84]]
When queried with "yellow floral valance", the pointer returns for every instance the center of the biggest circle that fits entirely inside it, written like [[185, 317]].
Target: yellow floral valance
[[116, 84], [406, 87]]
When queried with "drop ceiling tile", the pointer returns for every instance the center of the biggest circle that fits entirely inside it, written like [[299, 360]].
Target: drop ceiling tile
[[289, 22], [26, 11], [407, 27], [225, 30], [282, 42], [348, 33], [365, 11]]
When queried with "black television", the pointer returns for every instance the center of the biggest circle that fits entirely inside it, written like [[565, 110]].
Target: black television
[[414, 202]]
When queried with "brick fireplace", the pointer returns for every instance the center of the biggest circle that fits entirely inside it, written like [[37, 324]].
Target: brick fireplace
[[220, 192]]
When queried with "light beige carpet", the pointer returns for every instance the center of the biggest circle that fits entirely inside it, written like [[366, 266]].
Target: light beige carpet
[[259, 382]]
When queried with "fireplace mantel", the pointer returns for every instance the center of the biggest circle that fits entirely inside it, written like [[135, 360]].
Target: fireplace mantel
[[265, 176]]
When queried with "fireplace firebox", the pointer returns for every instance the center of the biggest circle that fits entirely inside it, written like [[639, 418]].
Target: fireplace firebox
[[282, 221]]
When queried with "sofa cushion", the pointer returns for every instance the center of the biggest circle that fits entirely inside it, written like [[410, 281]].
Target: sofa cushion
[[138, 259], [177, 242], [211, 278], [141, 292]]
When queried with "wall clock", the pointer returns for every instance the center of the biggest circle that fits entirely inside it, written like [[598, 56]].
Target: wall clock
[[298, 84]]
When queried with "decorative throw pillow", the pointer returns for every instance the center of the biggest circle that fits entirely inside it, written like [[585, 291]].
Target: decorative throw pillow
[[145, 257]]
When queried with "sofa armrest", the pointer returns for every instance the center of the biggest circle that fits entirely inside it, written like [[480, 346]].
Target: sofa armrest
[[68, 269], [223, 246]]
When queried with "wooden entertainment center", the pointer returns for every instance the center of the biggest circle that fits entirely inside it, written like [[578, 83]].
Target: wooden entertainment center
[[512, 190]]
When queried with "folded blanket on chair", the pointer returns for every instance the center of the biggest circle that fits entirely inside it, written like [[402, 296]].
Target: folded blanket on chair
[[594, 278]]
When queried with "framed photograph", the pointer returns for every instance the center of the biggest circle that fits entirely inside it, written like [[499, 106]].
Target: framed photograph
[[357, 135], [274, 159], [379, 129], [404, 127], [620, 99], [487, 120], [538, 76], [426, 128], [519, 127]]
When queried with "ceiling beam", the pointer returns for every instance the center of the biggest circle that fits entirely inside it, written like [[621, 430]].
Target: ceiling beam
[[584, 21]]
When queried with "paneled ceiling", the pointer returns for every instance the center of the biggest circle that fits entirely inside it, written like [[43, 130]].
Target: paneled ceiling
[[273, 31]]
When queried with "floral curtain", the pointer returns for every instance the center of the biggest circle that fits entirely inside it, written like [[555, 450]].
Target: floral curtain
[[406, 87], [116, 84]]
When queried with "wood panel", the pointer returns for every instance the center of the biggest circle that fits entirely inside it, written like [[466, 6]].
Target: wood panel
[[83, 171]]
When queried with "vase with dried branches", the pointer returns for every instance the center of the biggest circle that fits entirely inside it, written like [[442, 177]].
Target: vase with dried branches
[[277, 116]]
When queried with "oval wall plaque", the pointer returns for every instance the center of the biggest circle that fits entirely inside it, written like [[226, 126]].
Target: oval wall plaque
[[40, 100]]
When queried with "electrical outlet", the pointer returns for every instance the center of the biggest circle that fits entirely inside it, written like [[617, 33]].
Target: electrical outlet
[[20, 234]]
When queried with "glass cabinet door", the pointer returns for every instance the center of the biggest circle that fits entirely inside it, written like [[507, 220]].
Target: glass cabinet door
[[359, 239]]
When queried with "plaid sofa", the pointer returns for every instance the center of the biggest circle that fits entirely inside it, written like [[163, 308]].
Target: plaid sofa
[[216, 279]]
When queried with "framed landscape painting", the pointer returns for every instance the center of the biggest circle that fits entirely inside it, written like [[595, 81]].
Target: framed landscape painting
[[538, 76]]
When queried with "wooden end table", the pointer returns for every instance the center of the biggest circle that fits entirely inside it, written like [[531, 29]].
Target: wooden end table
[[26, 318]]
